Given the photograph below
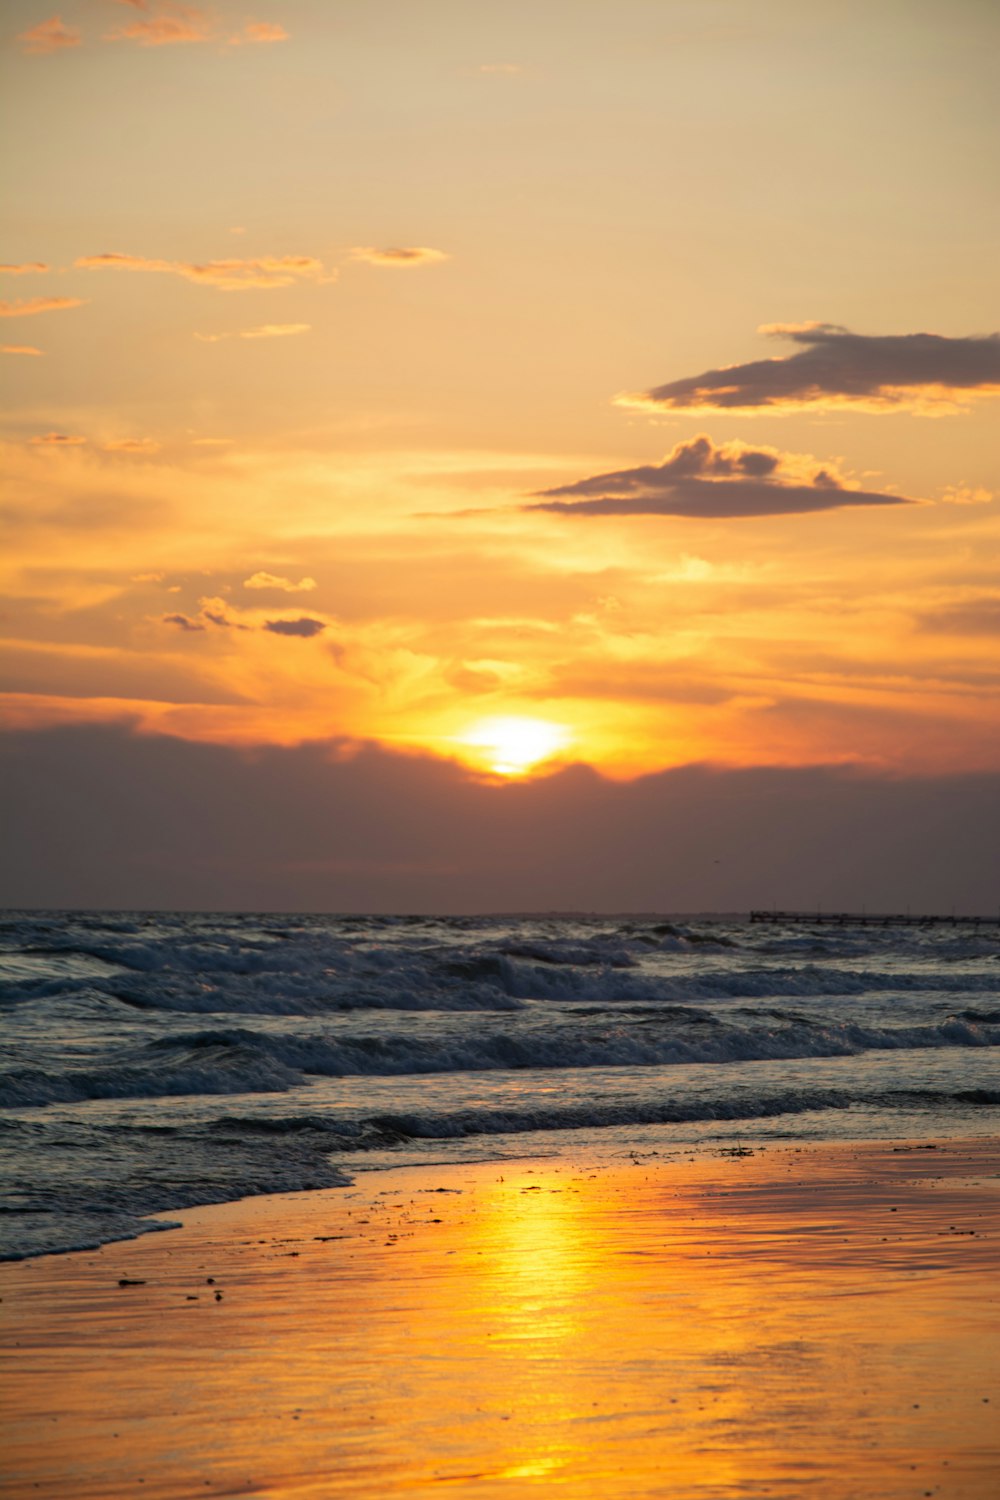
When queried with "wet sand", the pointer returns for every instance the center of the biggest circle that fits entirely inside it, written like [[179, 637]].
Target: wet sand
[[819, 1322]]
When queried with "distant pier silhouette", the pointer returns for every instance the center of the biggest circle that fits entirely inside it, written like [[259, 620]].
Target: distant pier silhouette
[[869, 919]]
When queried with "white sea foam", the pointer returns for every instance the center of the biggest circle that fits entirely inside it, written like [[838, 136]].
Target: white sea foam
[[336, 1040]]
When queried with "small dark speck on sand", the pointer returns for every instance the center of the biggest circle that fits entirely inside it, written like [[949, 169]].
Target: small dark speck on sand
[[128, 1281]]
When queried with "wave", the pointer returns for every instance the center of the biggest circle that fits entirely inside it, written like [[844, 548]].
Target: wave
[[240, 1061], [135, 1169], [304, 983]]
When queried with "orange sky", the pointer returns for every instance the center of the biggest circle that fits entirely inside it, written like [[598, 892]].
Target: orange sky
[[522, 384]]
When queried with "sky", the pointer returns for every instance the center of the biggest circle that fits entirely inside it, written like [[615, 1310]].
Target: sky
[[500, 410]]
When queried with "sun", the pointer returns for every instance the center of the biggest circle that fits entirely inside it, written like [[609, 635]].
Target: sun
[[512, 746]]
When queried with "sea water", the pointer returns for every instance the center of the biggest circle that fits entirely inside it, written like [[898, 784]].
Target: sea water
[[151, 1062]]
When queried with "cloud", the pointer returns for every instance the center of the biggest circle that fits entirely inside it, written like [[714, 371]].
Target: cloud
[[19, 349], [507, 68], [49, 36], [303, 627], [398, 255], [966, 494], [28, 307], [216, 612], [226, 275], [837, 368], [265, 331], [183, 622], [976, 616], [26, 268], [699, 480], [132, 445], [271, 581], [98, 816], [169, 25], [261, 32], [77, 440]]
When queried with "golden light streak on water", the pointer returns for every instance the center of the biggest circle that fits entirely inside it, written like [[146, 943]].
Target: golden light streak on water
[[792, 1323]]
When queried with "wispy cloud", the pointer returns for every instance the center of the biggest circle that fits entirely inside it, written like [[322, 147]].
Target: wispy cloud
[[20, 349], [398, 255], [838, 368], [132, 445], [966, 494], [697, 479], [505, 68], [258, 33], [226, 275], [272, 581], [26, 268], [265, 331], [78, 440], [49, 36], [168, 25], [976, 615], [29, 306], [163, 24]]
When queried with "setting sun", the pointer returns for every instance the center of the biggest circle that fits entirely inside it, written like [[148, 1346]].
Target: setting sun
[[512, 746]]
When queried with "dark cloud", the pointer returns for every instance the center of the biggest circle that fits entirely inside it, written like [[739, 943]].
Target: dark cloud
[[698, 479], [221, 620], [214, 612], [836, 367], [304, 627], [978, 616], [97, 816]]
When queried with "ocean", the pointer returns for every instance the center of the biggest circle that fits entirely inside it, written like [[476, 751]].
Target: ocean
[[151, 1062]]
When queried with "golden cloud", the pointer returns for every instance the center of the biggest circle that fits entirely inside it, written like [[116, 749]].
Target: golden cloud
[[226, 275], [262, 32], [132, 445], [271, 581], [28, 307], [57, 440], [966, 494], [49, 36], [265, 331], [172, 24], [27, 268], [398, 255], [19, 349]]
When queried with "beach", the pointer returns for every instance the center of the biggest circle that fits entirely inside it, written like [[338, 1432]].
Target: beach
[[781, 1320], [499, 725]]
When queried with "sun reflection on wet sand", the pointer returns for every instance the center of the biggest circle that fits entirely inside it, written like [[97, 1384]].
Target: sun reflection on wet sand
[[795, 1323]]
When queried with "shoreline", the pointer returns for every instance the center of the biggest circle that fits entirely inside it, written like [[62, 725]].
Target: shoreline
[[803, 1315]]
